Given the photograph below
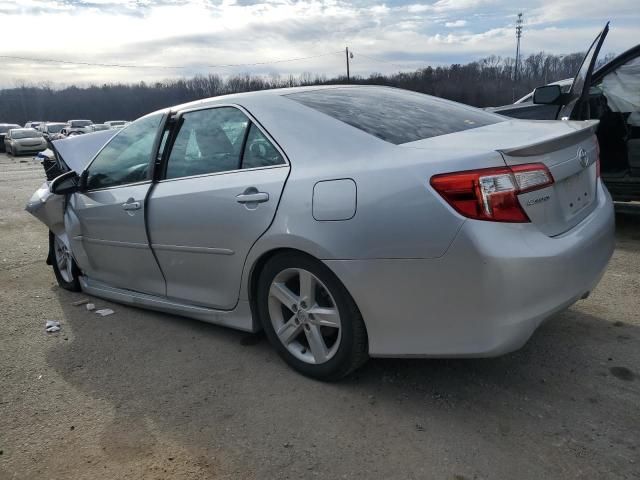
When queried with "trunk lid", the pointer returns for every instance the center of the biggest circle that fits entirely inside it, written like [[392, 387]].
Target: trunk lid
[[570, 156], [556, 144]]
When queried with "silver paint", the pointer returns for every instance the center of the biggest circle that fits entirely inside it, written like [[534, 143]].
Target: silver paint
[[427, 281]]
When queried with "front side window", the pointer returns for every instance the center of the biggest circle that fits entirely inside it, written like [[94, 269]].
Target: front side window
[[126, 157], [209, 141]]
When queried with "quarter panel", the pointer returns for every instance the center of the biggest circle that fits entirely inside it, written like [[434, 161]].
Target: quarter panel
[[484, 297]]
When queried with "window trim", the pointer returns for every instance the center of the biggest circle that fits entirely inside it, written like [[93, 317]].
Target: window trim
[[175, 129], [152, 160]]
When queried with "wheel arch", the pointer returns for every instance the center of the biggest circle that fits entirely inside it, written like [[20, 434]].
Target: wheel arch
[[256, 269]]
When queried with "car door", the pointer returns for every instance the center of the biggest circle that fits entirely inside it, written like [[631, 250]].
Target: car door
[[222, 180], [577, 107], [110, 240]]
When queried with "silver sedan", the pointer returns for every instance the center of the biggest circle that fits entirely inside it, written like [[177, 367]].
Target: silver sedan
[[20, 141], [346, 222]]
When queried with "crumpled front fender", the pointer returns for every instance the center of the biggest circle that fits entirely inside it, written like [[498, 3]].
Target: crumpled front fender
[[48, 208]]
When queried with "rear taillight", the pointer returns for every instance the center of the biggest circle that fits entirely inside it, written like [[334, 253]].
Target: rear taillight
[[492, 193]]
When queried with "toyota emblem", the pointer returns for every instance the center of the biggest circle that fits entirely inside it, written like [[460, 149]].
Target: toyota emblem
[[583, 157]]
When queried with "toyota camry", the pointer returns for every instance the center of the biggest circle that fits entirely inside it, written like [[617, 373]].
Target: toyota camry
[[346, 222]]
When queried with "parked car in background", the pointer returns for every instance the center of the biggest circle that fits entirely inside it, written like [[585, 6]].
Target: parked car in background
[[20, 141], [117, 123], [345, 221], [96, 127], [4, 128], [77, 127], [32, 124], [610, 95], [52, 130]]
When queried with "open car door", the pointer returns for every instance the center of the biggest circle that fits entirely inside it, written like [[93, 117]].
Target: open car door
[[577, 99]]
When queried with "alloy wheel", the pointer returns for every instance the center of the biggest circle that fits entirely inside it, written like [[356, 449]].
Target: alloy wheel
[[64, 260], [304, 316]]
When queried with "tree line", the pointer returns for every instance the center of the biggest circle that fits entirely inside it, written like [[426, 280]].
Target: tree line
[[482, 83]]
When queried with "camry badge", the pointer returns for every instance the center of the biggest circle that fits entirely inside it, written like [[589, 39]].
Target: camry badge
[[583, 157]]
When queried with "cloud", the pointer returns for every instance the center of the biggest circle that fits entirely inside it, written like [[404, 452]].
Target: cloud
[[456, 23], [389, 34]]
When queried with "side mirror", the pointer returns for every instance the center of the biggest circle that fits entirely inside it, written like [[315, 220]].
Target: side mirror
[[547, 95], [66, 183]]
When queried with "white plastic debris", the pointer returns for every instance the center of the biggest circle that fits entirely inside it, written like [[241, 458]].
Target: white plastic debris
[[80, 302], [91, 306], [104, 312], [52, 326]]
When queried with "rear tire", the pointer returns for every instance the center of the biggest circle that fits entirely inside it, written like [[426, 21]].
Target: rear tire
[[64, 266], [310, 318]]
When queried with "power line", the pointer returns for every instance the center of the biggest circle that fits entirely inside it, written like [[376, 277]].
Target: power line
[[118, 65], [378, 60]]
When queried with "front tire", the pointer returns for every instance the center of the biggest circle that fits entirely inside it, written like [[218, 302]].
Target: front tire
[[64, 266], [310, 318]]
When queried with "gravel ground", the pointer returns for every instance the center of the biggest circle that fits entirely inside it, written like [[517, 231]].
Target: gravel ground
[[140, 395]]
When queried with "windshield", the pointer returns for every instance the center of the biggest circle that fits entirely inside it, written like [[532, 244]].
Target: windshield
[[80, 123], [394, 115], [25, 133], [55, 128], [6, 128]]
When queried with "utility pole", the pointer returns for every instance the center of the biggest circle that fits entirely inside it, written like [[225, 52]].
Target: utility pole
[[515, 68], [346, 51], [518, 35]]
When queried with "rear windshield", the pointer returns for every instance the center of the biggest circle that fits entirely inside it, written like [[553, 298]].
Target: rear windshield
[[394, 115]]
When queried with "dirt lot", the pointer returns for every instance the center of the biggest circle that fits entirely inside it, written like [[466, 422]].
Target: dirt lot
[[146, 395]]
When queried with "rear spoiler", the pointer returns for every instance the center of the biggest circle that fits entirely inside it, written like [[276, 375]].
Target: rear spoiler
[[584, 129]]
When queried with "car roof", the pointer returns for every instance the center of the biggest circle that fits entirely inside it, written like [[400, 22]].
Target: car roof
[[273, 92]]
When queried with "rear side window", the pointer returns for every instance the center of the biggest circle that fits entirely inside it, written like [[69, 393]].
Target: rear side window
[[209, 141], [259, 152], [394, 115], [217, 140]]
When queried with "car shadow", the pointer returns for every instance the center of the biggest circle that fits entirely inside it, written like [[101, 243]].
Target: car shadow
[[568, 397]]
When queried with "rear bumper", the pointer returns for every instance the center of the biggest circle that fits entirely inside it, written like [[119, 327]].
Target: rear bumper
[[486, 296]]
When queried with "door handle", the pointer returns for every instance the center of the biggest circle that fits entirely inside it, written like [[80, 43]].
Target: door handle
[[131, 206], [257, 197]]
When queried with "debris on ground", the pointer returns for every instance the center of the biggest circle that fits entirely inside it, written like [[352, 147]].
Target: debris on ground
[[91, 306], [52, 326], [80, 302], [105, 311]]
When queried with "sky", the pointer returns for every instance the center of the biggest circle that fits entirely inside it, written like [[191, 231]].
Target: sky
[[161, 39]]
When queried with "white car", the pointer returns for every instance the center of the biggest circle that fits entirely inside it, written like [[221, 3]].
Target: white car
[[77, 127], [117, 124]]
